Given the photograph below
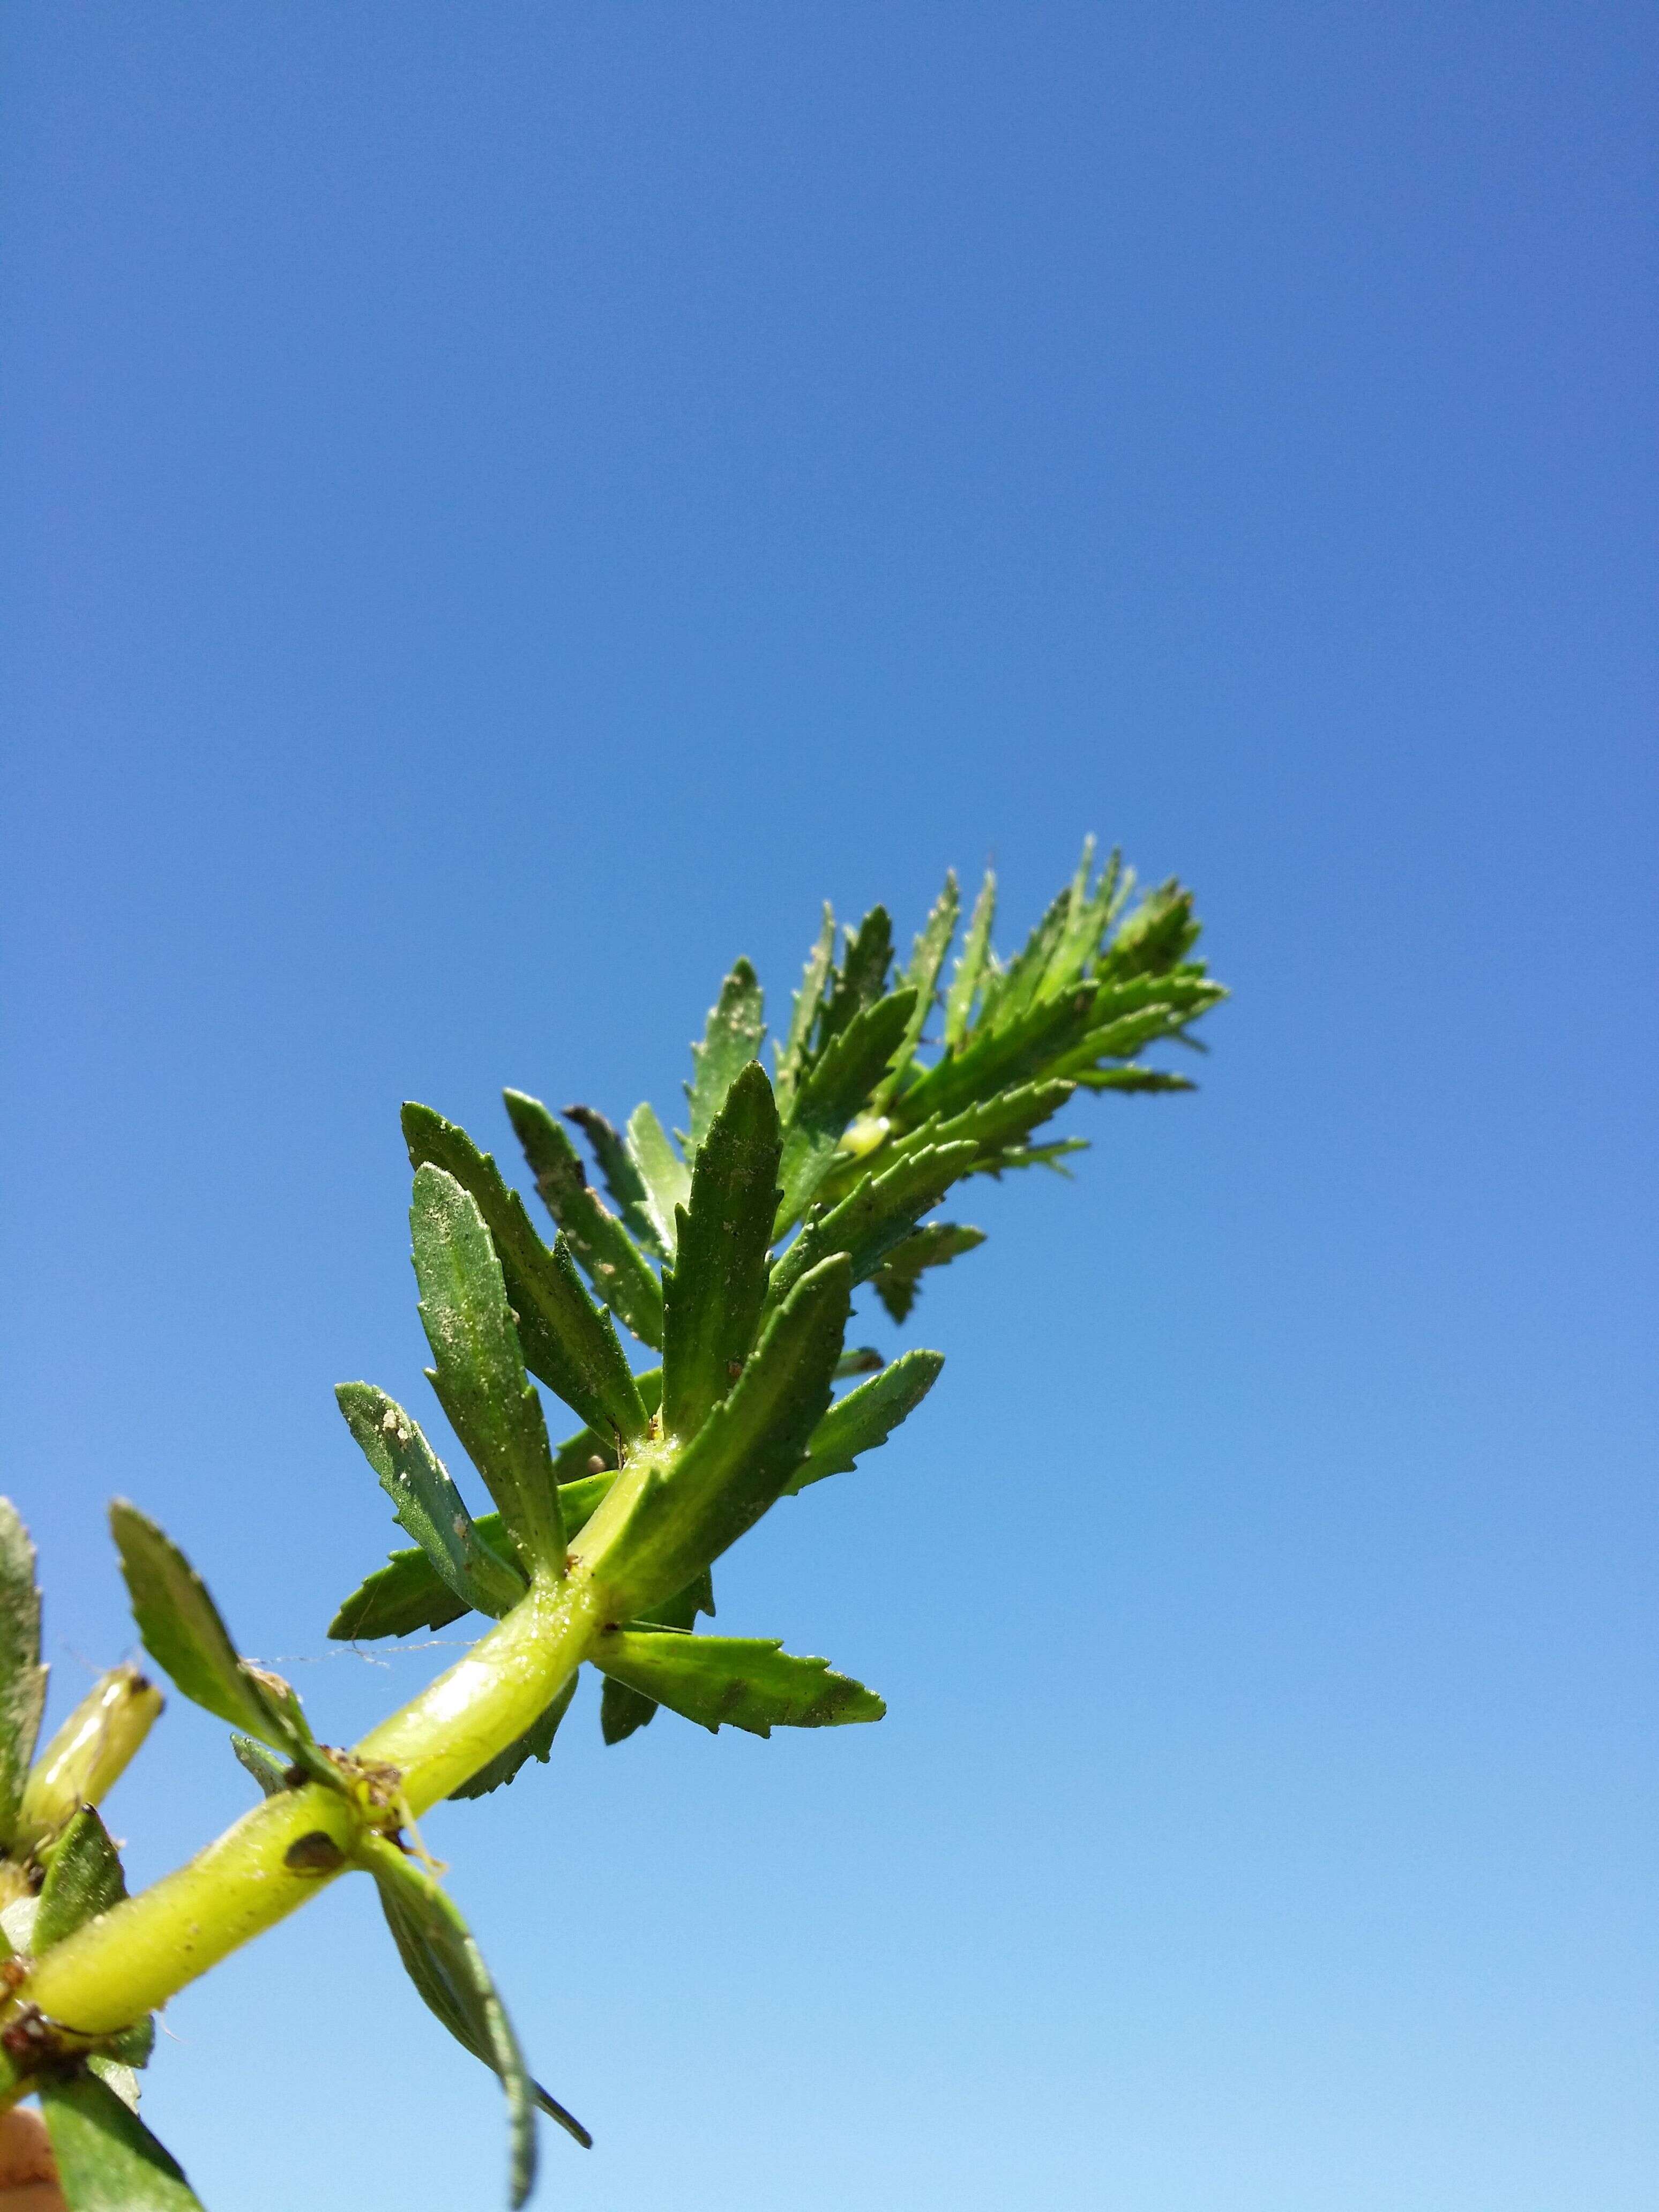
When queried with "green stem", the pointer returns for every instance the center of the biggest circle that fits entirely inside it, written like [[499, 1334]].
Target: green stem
[[132, 1959]]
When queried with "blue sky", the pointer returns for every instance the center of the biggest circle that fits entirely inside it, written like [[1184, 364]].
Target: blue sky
[[507, 508]]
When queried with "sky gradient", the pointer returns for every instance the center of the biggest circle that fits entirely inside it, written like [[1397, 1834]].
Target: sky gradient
[[508, 508]]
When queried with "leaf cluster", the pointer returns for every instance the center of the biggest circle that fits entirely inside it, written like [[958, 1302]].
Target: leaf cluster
[[690, 1307], [731, 1254]]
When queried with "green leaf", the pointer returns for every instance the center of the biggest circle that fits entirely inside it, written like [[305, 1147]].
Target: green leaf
[[1015, 991], [267, 1770], [408, 1594], [563, 1337], [664, 1174], [792, 1052], [832, 1094], [116, 2074], [747, 1682], [1072, 946], [1120, 1040], [622, 1711], [714, 1295], [878, 1213], [995, 1059], [1006, 1117], [740, 1460], [970, 968], [1125, 1013], [535, 1742], [861, 978], [615, 1267], [405, 1595], [898, 1279], [83, 1879], [1132, 1079], [862, 1359], [1160, 932], [927, 959], [866, 1417], [479, 1375], [426, 1503], [23, 1678], [1092, 915], [447, 1968], [622, 1178], [1033, 1155], [135, 2046], [731, 1039], [182, 1631], [107, 2159]]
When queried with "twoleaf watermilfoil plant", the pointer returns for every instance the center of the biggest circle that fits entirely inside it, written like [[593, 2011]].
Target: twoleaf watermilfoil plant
[[731, 1257]]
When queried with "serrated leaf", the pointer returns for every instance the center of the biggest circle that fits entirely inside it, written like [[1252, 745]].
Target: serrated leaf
[[405, 1595], [927, 959], [746, 1682], [446, 1967], [740, 1460], [183, 1632], [622, 1711], [714, 1295], [23, 1678], [897, 1280], [995, 1060], [426, 1503], [731, 1039], [535, 1742], [84, 1878], [1072, 947], [866, 1417], [1092, 915], [1033, 1155], [1132, 1079], [615, 1267], [408, 1594], [1188, 986], [969, 973], [791, 1055], [1160, 932], [1008, 1117], [562, 1335], [1015, 990], [839, 1083], [479, 1375], [665, 1178], [107, 2159], [861, 979], [1121, 1039], [622, 1177], [878, 1213]]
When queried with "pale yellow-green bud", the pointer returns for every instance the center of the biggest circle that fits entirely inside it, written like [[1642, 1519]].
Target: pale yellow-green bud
[[861, 1137], [88, 1754]]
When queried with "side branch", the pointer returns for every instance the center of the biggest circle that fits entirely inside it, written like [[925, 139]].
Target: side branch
[[132, 1959]]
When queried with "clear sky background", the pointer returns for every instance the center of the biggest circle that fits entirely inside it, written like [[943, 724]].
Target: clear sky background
[[507, 508]]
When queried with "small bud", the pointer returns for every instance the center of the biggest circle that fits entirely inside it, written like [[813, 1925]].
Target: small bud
[[865, 1135], [88, 1754]]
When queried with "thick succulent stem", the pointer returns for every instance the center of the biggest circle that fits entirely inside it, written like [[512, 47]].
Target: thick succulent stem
[[128, 1961]]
